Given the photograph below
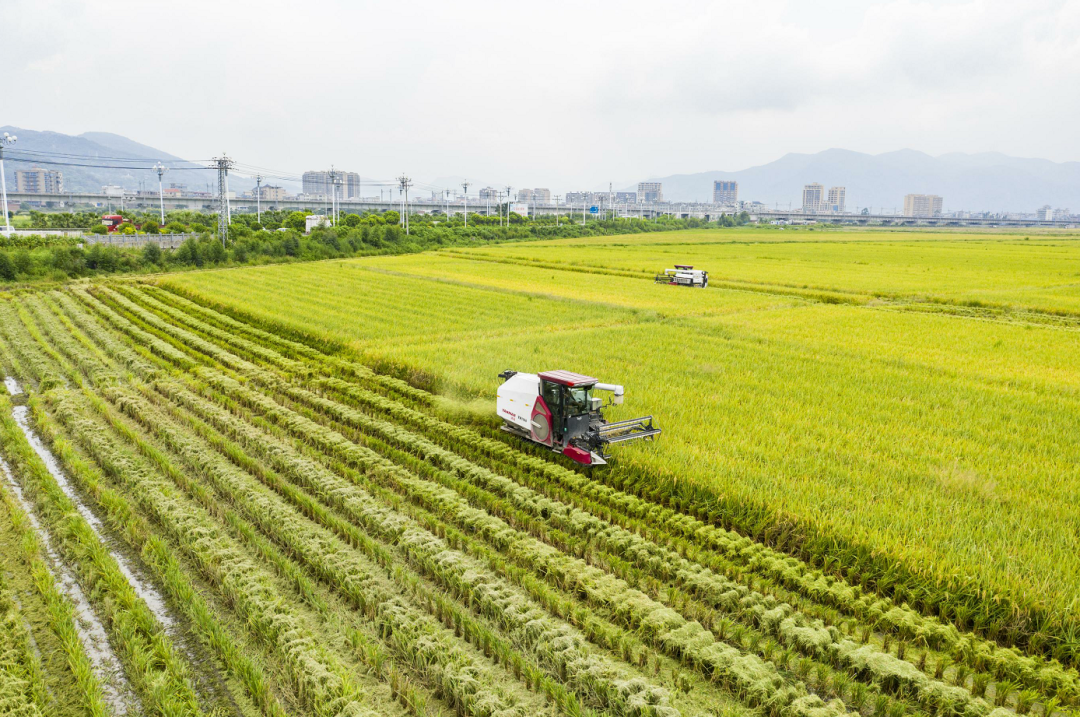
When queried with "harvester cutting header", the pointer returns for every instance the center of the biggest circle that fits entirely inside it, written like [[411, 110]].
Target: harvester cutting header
[[557, 409], [684, 275]]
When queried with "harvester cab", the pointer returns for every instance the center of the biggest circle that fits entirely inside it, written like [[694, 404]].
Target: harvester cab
[[684, 275], [558, 409]]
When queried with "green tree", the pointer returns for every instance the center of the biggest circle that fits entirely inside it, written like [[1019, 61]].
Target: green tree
[[7, 268], [151, 254], [391, 217], [351, 220], [175, 227], [215, 253], [24, 264], [126, 229], [151, 227], [296, 221], [99, 229]]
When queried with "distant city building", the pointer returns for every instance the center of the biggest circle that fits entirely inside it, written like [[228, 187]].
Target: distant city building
[[922, 205], [725, 192], [573, 198], [753, 207], [39, 181], [318, 184], [837, 197], [1044, 213], [1061, 215], [539, 195], [113, 190], [813, 198], [650, 192], [489, 194], [177, 186], [272, 193], [625, 197]]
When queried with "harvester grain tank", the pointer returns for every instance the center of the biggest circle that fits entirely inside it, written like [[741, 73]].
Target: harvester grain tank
[[684, 275], [557, 409]]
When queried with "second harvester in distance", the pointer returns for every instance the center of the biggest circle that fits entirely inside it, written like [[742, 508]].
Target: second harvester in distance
[[557, 409], [684, 275]]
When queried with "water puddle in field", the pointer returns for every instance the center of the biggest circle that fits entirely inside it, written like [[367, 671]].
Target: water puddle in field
[[142, 587], [95, 641], [12, 385]]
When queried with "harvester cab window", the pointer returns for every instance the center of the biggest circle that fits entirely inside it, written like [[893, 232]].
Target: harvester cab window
[[577, 401], [552, 397]]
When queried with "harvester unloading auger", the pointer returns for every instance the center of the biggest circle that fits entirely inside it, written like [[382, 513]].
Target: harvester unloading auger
[[557, 409]]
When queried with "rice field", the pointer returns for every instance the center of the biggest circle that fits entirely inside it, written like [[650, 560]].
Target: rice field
[[212, 504]]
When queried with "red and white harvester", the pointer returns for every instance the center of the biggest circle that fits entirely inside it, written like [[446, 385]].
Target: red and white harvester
[[557, 409], [684, 275]]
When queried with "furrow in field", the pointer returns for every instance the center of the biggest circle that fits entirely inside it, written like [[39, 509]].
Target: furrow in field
[[358, 639], [318, 677]]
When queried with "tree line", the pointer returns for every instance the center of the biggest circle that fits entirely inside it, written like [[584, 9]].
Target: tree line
[[280, 237]]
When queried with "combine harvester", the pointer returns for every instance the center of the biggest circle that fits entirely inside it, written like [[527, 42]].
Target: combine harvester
[[557, 409], [684, 275]]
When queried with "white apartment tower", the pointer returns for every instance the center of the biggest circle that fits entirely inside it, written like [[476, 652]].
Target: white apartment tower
[[813, 198], [922, 205], [837, 196]]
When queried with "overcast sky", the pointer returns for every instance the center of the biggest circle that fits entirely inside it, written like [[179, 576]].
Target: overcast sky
[[546, 93]]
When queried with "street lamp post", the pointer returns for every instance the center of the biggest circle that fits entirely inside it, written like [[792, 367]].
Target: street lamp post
[[161, 169], [5, 140], [258, 198], [465, 194]]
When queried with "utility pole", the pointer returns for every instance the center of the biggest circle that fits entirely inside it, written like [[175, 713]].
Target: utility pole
[[258, 197], [584, 203], [557, 198], [405, 184], [507, 206], [223, 164], [161, 169], [5, 140], [465, 191], [446, 193], [610, 201]]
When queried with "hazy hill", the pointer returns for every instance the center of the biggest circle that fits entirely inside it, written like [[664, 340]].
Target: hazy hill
[[103, 148], [986, 181]]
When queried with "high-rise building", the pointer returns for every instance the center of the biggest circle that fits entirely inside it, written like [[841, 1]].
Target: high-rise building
[[489, 194], [813, 198], [725, 192], [837, 196], [542, 195], [271, 193], [650, 192], [922, 205], [39, 181], [318, 184]]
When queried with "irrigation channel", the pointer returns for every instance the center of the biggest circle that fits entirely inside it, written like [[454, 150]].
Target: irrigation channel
[[256, 527]]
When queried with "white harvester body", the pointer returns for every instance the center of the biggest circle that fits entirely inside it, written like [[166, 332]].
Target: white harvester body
[[684, 275], [558, 409]]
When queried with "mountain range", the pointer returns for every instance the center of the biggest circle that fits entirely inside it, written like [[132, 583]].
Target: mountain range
[[986, 181], [81, 159]]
